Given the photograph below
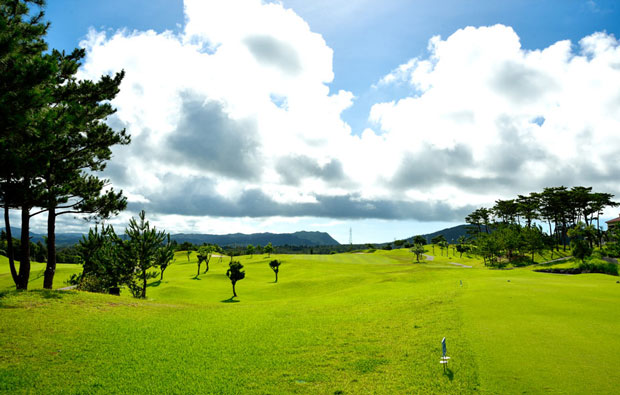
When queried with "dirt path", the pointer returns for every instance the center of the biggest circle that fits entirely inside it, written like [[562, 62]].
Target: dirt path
[[432, 258], [459, 264], [555, 260]]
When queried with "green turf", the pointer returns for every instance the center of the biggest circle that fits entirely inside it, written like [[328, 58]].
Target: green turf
[[344, 323]]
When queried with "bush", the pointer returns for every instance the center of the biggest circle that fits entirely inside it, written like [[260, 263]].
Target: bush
[[91, 283], [599, 266]]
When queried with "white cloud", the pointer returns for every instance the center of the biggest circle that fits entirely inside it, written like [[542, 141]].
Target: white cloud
[[239, 103], [483, 91]]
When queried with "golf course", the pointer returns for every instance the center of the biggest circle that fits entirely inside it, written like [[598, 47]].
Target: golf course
[[332, 324]]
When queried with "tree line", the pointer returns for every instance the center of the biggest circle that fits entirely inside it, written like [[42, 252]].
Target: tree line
[[53, 135], [515, 226]]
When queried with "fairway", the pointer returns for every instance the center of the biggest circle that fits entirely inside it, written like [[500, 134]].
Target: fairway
[[333, 324]]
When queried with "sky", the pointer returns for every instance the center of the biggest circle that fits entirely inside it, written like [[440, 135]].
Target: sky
[[389, 118]]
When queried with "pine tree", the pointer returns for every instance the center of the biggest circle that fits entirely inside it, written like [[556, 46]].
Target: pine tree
[[24, 69]]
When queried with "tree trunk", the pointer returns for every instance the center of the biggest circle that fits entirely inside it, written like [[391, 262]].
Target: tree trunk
[[276, 276], [24, 259], [198, 272], [161, 277], [144, 284], [9, 245], [234, 293], [551, 252], [50, 269], [564, 235], [207, 266], [600, 234]]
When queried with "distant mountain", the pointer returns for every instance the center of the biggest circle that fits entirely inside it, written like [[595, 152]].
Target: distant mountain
[[451, 234], [309, 239], [62, 239], [277, 239]]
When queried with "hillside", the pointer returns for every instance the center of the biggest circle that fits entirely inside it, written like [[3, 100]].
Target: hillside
[[451, 234]]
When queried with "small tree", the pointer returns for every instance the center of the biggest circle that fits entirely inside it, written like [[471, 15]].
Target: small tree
[[105, 268], [219, 250], [275, 266], [418, 250], [580, 249], [249, 250], [488, 246], [189, 252], [612, 247], [164, 257], [437, 240], [443, 244], [204, 255], [461, 248], [581, 237], [269, 249], [534, 240], [419, 239], [234, 273], [142, 245]]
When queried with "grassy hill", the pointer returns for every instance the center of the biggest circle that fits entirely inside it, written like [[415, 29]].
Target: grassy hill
[[333, 324]]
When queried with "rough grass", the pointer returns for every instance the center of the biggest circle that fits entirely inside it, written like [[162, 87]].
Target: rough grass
[[345, 323]]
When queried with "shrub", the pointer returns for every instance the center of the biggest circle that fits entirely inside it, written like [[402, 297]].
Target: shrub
[[92, 283], [599, 266]]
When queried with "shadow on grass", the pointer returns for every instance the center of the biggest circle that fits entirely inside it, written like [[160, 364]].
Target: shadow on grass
[[449, 374], [50, 294], [196, 278], [230, 300], [43, 293], [154, 284]]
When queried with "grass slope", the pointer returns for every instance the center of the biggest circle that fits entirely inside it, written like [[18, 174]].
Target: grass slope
[[346, 323]]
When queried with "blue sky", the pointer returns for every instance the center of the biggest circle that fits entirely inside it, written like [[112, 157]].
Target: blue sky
[[383, 69]]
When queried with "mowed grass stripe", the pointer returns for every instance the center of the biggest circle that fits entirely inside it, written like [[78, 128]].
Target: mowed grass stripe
[[537, 332]]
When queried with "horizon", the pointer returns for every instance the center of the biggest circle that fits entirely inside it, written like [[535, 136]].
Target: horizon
[[15, 231], [252, 117]]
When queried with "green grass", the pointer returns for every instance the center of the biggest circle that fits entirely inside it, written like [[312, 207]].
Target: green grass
[[345, 323]]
